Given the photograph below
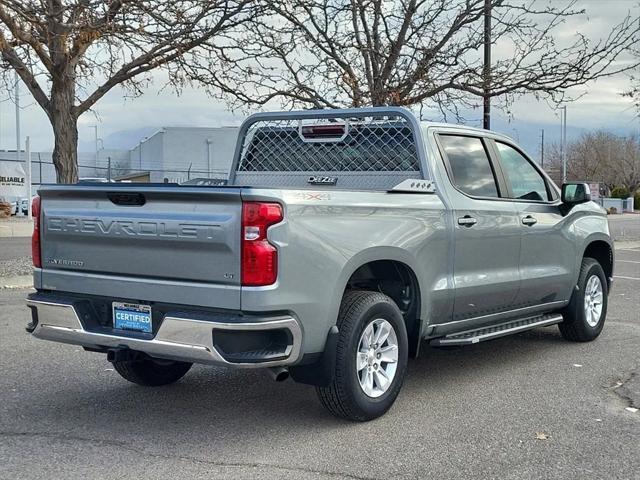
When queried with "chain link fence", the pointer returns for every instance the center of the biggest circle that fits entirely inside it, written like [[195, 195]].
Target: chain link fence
[[43, 171]]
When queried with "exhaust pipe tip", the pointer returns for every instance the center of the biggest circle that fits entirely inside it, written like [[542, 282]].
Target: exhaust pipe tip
[[279, 374]]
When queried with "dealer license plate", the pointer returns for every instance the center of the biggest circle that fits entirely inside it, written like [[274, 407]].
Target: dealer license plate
[[132, 316]]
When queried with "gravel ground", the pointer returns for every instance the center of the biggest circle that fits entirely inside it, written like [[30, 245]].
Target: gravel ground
[[15, 256], [15, 267]]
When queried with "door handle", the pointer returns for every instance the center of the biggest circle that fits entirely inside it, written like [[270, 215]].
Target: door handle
[[529, 220], [467, 221]]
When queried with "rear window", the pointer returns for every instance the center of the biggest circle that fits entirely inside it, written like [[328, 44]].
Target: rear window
[[469, 165], [335, 148]]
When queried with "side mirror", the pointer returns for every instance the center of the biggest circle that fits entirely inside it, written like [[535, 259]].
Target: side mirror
[[574, 193]]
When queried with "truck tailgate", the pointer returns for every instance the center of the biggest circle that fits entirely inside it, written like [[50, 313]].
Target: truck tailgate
[[125, 239]]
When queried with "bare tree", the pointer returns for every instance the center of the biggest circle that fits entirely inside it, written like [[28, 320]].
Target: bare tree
[[332, 53], [634, 93], [634, 90], [626, 165], [70, 53], [603, 157]]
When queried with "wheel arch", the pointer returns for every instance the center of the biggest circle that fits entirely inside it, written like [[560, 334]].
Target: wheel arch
[[600, 249], [392, 272]]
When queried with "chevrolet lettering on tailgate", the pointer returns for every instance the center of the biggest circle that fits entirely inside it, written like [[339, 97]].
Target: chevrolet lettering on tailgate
[[132, 228]]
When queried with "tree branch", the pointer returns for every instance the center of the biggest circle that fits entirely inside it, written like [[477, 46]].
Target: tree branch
[[10, 56]]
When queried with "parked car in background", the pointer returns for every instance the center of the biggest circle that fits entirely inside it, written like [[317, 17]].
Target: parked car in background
[[24, 204], [94, 180], [343, 240]]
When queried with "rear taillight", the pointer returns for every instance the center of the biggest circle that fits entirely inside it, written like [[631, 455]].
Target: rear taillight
[[259, 257], [35, 238]]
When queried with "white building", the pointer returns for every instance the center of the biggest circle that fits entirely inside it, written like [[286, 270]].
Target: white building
[[180, 153], [173, 154]]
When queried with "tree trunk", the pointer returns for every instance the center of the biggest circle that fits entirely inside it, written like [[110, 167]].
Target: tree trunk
[[65, 130]]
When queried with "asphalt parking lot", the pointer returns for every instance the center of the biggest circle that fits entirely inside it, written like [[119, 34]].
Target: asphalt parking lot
[[14, 247], [528, 406], [625, 227]]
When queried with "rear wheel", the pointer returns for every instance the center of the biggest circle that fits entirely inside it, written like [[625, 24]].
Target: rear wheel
[[585, 315], [151, 372], [371, 357]]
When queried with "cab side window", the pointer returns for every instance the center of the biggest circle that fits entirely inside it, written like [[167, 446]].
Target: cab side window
[[469, 163], [526, 182]]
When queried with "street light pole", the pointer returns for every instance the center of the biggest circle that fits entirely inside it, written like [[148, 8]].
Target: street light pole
[[29, 180], [95, 127], [17, 100], [486, 71], [542, 150], [564, 143]]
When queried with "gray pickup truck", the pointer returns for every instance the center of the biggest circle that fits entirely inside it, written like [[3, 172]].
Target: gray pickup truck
[[342, 241]]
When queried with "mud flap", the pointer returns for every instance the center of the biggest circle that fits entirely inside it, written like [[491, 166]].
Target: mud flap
[[321, 371]]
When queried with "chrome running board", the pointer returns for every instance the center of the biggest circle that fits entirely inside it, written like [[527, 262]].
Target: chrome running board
[[470, 337]]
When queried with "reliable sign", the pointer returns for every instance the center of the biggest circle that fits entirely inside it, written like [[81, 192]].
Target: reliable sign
[[12, 179]]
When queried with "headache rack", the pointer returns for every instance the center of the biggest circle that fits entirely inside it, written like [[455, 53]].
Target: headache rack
[[367, 148]]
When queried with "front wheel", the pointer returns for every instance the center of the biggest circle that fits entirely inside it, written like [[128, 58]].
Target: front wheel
[[585, 315], [371, 357]]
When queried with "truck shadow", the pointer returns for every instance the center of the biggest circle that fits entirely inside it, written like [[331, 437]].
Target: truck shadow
[[249, 406]]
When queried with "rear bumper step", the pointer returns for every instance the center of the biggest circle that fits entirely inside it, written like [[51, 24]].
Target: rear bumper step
[[470, 337], [178, 338]]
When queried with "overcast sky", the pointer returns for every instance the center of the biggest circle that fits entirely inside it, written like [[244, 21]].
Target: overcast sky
[[600, 107]]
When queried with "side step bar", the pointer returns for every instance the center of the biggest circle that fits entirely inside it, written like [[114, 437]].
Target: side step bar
[[470, 337]]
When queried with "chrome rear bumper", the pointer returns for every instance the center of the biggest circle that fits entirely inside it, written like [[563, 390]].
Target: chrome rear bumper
[[178, 338]]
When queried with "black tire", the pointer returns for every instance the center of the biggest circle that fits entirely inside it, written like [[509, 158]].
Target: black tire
[[150, 372], [575, 327], [344, 397]]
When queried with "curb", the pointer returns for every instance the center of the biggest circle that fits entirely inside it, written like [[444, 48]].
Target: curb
[[16, 229], [15, 283], [626, 244]]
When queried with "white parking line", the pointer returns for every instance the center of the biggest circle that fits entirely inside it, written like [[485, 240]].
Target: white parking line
[[626, 278], [627, 261]]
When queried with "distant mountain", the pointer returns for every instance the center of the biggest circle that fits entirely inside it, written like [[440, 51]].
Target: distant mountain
[[528, 134]]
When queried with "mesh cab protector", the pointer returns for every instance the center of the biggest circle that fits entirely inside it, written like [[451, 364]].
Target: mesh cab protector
[[371, 148]]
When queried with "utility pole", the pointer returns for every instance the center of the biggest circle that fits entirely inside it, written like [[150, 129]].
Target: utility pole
[[542, 150], [28, 151], [17, 99], [563, 118], [486, 71], [109, 168], [209, 142], [95, 127]]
